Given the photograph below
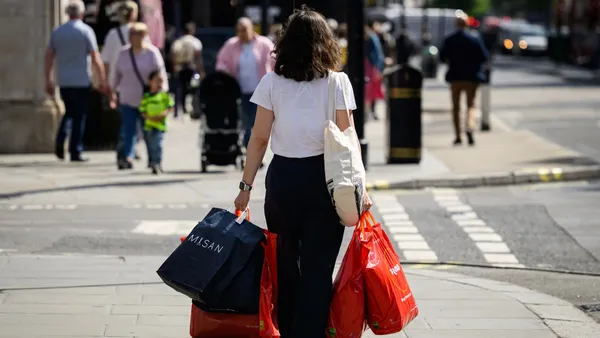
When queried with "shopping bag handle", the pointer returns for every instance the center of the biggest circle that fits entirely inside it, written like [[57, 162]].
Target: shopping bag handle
[[366, 222], [240, 215]]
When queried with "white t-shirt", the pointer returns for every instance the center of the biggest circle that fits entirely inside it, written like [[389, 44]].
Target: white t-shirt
[[184, 49], [300, 112], [248, 69]]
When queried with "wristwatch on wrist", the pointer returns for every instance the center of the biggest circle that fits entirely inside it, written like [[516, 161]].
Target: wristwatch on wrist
[[245, 186]]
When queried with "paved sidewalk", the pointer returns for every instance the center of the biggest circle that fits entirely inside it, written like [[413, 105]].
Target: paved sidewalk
[[502, 156], [109, 296]]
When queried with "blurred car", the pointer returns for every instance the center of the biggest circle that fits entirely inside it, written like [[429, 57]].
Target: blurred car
[[522, 38], [533, 40], [213, 39]]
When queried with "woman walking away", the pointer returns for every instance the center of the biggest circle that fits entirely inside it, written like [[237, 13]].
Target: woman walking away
[[292, 109], [132, 69]]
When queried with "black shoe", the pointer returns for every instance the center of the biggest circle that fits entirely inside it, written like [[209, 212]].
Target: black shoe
[[457, 141], [79, 159], [60, 153], [124, 165], [470, 138]]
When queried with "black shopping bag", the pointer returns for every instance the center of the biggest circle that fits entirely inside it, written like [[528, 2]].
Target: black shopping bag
[[219, 263]]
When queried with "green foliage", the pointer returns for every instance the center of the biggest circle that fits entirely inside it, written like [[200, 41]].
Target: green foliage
[[471, 7]]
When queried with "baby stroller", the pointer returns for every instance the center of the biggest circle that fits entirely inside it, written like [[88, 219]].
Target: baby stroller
[[220, 126]]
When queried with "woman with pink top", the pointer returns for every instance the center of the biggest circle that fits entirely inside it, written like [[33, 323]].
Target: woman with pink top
[[247, 57], [134, 64]]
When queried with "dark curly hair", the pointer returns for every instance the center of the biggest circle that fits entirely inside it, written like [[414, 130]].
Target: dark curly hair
[[306, 48]]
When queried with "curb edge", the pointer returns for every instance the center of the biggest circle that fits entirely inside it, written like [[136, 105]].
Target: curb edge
[[542, 175]]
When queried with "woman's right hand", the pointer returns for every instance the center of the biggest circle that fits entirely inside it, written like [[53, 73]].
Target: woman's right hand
[[367, 202], [113, 101], [242, 200]]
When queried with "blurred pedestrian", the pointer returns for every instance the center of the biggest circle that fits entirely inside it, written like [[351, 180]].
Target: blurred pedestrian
[[374, 64], [247, 57], [116, 39], [465, 55], [292, 111], [70, 49], [386, 40], [186, 57], [132, 69], [156, 105]]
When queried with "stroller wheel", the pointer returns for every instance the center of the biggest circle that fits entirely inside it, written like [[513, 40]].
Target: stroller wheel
[[203, 166]]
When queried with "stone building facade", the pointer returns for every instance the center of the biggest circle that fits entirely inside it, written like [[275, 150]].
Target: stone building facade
[[28, 117]]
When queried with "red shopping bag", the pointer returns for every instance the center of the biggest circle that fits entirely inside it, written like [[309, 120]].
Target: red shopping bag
[[223, 325], [347, 312], [390, 304], [268, 285]]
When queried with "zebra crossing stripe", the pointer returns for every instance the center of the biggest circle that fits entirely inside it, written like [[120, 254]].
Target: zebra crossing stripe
[[491, 244], [413, 245], [165, 228]]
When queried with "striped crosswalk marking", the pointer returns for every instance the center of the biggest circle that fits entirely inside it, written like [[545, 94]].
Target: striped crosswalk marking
[[403, 231], [491, 244], [165, 228]]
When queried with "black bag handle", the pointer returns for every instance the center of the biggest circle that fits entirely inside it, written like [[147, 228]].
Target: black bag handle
[[120, 34], [137, 71]]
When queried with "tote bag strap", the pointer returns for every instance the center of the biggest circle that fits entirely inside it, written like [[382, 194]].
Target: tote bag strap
[[331, 104], [334, 78]]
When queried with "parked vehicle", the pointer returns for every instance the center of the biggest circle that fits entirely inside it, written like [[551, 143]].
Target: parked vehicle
[[522, 38]]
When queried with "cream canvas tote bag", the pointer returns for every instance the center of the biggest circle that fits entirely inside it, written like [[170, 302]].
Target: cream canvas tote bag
[[344, 170]]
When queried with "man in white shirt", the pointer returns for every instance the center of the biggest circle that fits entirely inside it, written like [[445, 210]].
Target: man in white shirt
[[186, 57]]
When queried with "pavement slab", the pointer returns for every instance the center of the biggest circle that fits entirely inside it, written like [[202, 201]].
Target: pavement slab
[[451, 305]]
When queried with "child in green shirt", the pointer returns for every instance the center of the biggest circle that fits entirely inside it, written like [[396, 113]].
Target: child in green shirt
[[155, 106]]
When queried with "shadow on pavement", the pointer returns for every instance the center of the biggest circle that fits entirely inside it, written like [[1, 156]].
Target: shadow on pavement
[[192, 172], [55, 164], [96, 186], [576, 161]]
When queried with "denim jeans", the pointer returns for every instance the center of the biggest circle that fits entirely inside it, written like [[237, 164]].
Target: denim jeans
[[76, 100], [154, 139], [248, 117], [130, 120]]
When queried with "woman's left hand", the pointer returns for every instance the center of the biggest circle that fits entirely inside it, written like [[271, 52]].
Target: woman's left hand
[[241, 202]]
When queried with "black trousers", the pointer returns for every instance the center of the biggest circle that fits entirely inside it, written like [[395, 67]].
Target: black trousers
[[298, 208], [76, 101], [184, 79]]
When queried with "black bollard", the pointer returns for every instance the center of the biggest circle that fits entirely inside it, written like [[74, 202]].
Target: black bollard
[[404, 116]]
